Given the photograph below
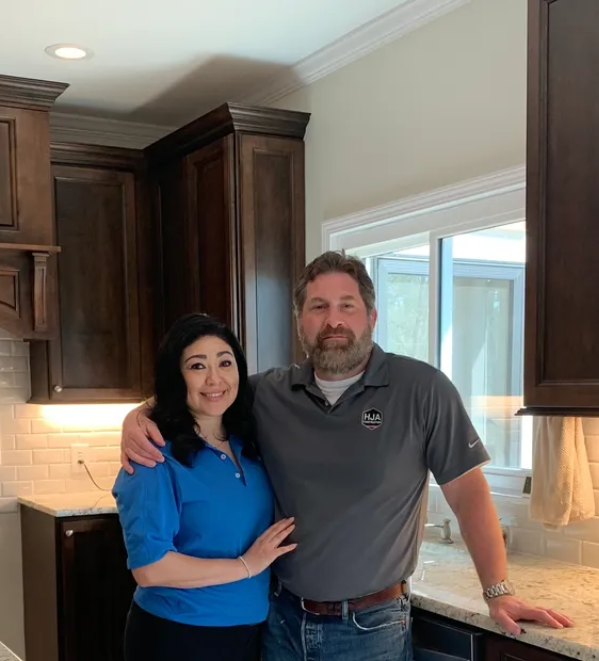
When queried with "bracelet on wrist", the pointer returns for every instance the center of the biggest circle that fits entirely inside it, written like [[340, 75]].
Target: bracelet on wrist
[[245, 564]]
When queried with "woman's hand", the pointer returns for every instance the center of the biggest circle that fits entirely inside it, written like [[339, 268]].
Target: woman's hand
[[136, 440], [266, 549]]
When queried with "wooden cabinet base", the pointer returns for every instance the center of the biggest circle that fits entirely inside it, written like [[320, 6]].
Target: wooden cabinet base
[[76, 586]]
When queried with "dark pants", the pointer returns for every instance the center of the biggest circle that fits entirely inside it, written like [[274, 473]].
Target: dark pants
[[151, 638]]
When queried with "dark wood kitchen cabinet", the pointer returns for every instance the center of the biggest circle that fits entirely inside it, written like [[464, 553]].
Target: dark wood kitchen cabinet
[[437, 638], [501, 648], [25, 193], [106, 269], [562, 216], [76, 587], [27, 240], [228, 191]]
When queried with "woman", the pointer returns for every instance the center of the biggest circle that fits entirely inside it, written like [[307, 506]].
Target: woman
[[198, 528]]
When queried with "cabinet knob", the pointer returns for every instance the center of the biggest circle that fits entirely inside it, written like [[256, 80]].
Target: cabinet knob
[[69, 533], [57, 388]]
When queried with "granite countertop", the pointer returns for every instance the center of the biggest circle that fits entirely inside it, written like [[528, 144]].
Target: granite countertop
[[7, 655], [446, 583], [76, 504]]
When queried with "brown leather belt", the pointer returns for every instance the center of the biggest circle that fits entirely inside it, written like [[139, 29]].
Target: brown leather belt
[[355, 605]]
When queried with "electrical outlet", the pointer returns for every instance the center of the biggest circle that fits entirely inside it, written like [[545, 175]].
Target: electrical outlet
[[79, 452]]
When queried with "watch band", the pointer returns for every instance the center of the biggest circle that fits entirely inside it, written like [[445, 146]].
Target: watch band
[[498, 590]]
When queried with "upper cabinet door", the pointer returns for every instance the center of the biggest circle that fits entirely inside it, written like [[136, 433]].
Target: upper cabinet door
[[272, 242], [97, 356], [562, 308], [25, 198], [209, 174]]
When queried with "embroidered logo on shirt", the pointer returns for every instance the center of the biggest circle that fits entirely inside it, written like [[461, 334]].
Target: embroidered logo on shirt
[[372, 419]]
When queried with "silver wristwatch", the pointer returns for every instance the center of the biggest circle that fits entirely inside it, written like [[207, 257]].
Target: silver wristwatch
[[498, 590]]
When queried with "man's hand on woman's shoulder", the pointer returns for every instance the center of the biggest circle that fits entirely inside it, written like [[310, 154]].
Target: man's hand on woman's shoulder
[[139, 437]]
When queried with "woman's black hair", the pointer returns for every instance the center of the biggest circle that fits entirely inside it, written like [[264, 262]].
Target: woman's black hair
[[171, 412]]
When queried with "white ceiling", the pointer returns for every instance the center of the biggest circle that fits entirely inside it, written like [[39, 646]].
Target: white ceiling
[[168, 62]]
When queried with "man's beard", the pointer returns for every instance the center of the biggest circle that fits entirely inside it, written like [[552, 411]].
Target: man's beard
[[334, 358]]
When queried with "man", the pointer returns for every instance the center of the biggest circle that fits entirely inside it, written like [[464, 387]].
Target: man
[[348, 439]]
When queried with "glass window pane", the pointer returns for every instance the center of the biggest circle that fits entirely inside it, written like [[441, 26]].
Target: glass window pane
[[402, 280], [481, 343]]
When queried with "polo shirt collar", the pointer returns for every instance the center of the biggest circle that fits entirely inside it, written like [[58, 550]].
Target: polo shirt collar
[[376, 373]]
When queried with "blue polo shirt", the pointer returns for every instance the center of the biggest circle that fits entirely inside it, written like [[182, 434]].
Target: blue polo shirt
[[210, 510]]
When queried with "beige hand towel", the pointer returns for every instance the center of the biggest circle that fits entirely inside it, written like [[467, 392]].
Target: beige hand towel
[[562, 488]]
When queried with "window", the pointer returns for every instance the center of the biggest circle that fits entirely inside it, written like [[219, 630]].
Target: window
[[457, 301]]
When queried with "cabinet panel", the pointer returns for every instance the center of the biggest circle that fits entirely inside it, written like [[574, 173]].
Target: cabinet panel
[[209, 176], [272, 229], [8, 173], [97, 354], [96, 589], [562, 317], [25, 194], [500, 648]]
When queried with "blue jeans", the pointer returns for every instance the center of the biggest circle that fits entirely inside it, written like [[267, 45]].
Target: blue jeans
[[379, 633]]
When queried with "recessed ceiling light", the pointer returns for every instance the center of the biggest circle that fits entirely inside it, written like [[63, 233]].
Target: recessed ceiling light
[[68, 52]]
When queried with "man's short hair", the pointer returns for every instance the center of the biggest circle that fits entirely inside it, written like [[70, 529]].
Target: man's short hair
[[335, 262]]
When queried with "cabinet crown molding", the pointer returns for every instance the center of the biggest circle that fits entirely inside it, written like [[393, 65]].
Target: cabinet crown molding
[[230, 118], [29, 93]]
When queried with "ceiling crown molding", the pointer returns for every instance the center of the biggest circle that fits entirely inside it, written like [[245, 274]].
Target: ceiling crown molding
[[65, 127], [409, 16]]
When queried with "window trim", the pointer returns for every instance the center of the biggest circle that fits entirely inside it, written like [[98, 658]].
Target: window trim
[[495, 199]]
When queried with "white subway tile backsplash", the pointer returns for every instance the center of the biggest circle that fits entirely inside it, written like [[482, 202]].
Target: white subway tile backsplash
[[31, 441], [27, 411], [35, 455], [17, 457], [48, 487], [565, 549], [8, 442], [45, 427], [591, 426], [60, 471], [48, 456], [8, 474], [592, 444], [590, 554], [62, 440], [32, 473], [14, 489], [14, 364], [14, 426], [527, 541]]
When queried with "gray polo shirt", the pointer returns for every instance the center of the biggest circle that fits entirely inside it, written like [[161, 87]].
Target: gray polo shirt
[[355, 474]]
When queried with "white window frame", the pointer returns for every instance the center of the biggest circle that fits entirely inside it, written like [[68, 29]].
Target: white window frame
[[476, 204]]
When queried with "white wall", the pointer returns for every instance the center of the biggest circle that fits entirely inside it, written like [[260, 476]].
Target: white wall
[[443, 104]]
